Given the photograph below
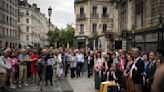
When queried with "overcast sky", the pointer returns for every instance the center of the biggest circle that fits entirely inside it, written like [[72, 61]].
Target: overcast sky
[[62, 11]]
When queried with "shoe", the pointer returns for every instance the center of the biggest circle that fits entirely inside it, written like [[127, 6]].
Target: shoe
[[12, 86], [20, 86], [25, 84], [51, 84]]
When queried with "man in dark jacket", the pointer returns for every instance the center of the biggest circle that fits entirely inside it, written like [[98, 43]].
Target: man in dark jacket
[[90, 63], [150, 71], [137, 70]]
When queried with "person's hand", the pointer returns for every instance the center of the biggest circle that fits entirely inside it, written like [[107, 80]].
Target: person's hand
[[147, 81]]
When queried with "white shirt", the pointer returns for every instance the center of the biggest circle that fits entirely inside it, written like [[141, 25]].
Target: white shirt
[[80, 57], [134, 65], [4, 65]]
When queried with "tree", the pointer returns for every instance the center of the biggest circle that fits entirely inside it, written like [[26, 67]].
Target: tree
[[62, 36]]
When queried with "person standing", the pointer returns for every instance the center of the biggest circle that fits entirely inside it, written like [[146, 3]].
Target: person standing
[[4, 67], [23, 58], [34, 65], [80, 62], [48, 63], [137, 70], [98, 64], [128, 80], [150, 71], [14, 63], [73, 65], [90, 61]]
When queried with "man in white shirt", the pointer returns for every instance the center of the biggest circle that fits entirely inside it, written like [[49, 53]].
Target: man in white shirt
[[80, 60]]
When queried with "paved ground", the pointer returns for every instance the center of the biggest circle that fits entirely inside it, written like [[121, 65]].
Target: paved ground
[[82, 84], [63, 86]]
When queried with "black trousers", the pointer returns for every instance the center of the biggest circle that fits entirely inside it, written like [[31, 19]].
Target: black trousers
[[73, 72], [49, 74], [89, 70], [79, 68], [66, 68]]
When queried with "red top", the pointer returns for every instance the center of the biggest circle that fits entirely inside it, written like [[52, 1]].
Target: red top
[[34, 61]]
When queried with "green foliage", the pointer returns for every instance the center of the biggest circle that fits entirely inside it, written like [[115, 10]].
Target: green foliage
[[61, 36]]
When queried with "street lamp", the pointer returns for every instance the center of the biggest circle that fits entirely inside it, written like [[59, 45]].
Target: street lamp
[[49, 14]]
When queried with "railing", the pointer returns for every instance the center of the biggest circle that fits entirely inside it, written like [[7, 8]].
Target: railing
[[95, 15], [105, 15], [81, 32], [81, 16]]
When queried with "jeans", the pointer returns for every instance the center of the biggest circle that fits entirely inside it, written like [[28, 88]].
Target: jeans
[[79, 68]]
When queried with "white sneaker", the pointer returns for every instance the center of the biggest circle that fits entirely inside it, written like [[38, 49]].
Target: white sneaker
[[12, 86], [19, 85], [25, 84]]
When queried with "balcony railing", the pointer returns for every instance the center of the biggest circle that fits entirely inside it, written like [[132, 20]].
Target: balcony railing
[[79, 1], [95, 15], [81, 32], [80, 16], [105, 15]]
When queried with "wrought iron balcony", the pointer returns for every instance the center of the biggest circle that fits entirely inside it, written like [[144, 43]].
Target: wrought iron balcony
[[81, 32], [79, 1], [80, 16], [95, 15], [105, 15]]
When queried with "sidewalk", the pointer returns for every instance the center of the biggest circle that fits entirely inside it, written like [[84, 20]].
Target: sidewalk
[[63, 86], [82, 84]]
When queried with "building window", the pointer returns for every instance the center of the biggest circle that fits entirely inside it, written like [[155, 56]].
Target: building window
[[104, 27], [7, 9], [18, 19], [27, 29], [27, 20], [139, 13], [27, 13], [123, 16], [10, 32], [10, 21], [7, 32], [7, 20], [94, 10], [27, 37], [6, 44], [81, 28], [81, 10], [94, 28], [104, 10]]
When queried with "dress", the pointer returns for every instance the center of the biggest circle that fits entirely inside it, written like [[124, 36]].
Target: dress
[[34, 61]]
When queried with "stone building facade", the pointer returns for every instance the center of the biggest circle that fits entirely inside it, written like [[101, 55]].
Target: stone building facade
[[32, 24], [141, 23], [94, 23], [8, 24]]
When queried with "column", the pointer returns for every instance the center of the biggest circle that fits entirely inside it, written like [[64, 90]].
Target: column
[[94, 42]]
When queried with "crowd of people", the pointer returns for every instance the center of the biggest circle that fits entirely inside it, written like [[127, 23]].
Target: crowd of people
[[133, 70]]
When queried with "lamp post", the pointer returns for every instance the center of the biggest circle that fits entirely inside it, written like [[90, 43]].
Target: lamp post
[[49, 14], [49, 20]]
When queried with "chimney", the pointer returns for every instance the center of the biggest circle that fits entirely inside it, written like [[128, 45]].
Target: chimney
[[38, 9], [35, 5]]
